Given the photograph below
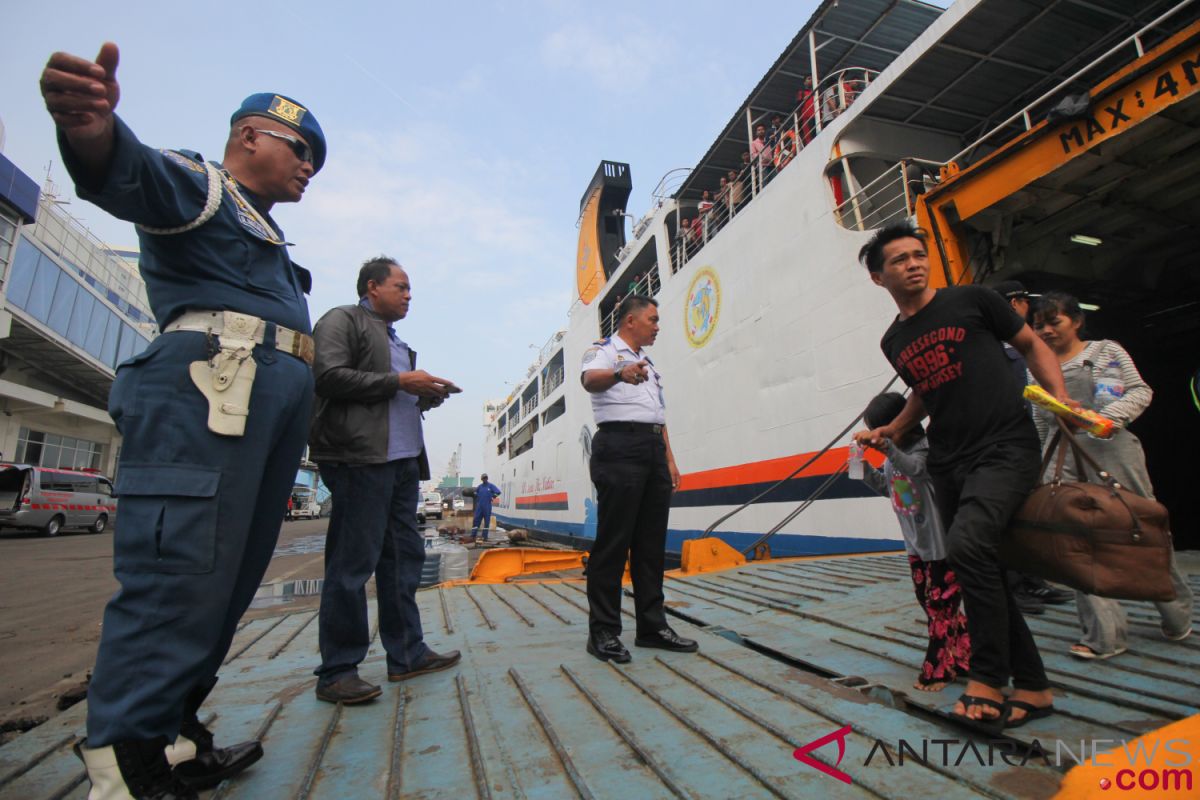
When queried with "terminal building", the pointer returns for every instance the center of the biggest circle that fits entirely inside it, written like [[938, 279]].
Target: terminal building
[[71, 309]]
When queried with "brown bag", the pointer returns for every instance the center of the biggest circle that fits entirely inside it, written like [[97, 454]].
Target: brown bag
[[1098, 538]]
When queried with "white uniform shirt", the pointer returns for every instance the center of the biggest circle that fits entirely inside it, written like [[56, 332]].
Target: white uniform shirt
[[624, 402]]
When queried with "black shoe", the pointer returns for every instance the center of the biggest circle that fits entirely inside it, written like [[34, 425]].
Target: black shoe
[[1047, 594], [348, 690], [607, 647], [432, 662], [1028, 604], [211, 764], [667, 639], [136, 769]]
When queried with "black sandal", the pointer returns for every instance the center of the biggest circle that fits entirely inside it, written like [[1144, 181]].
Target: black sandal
[[1032, 712], [991, 726]]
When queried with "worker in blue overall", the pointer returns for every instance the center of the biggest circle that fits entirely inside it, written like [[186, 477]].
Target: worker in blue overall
[[484, 493], [213, 414]]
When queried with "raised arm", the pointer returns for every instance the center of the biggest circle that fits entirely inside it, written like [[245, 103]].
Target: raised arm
[[82, 97]]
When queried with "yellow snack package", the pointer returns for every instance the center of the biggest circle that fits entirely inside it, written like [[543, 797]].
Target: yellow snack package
[[1089, 421]]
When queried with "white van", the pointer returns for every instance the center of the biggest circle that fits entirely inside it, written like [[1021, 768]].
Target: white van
[[432, 505], [49, 500]]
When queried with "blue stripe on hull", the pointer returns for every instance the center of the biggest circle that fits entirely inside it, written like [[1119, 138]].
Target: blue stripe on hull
[[793, 490], [782, 544]]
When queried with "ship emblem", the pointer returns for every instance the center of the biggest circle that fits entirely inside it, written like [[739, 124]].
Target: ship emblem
[[703, 307]]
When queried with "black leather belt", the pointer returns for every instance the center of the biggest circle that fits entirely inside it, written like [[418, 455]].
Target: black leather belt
[[632, 427]]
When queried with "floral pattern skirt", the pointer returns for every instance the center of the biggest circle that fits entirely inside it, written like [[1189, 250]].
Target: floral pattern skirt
[[938, 592]]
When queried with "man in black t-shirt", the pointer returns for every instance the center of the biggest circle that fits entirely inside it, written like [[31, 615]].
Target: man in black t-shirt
[[983, 454]]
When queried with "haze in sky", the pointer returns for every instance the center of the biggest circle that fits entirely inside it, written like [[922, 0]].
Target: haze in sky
[[461, 137]]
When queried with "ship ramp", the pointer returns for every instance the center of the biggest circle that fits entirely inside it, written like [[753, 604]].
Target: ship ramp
[[802, 688]]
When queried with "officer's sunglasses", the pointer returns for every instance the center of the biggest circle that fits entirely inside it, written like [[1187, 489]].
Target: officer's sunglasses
[[302, 151]]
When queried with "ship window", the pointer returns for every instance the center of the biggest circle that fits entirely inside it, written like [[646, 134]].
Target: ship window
[[522, 439], [556, 410]]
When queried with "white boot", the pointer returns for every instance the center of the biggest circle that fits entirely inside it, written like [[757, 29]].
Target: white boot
[[103, 772], [184, 749], [133, 770]]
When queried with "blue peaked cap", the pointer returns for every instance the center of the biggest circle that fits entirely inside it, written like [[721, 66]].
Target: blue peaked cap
[[286, 110]]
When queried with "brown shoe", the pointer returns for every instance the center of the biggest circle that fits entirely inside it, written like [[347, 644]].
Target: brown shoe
[[348, 691], [432, 662]]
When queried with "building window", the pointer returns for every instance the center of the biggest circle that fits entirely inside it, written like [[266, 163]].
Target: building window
[[8, 235], [57, 452], [51, 295]]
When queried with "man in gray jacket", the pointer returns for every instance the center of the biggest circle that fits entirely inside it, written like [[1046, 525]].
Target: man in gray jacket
[[366, 438]]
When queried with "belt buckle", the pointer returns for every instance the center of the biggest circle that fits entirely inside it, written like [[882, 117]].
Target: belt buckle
[[656, 428], [241, 326]]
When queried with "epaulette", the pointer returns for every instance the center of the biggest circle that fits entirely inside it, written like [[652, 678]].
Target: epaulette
[[603, 341], [186, 158]]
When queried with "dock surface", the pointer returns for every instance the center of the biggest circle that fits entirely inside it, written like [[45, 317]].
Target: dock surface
[[792, 652]]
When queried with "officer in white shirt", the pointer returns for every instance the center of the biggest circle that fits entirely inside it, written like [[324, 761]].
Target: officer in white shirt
[[634, 472]]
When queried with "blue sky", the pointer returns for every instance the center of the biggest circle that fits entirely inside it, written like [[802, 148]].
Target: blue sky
[[461, 136]]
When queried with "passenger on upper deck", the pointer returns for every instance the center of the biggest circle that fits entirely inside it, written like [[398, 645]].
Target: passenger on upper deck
[[759, 149], [807, 112], [721, 209], [706, 203], [776, 131], [737, 191]]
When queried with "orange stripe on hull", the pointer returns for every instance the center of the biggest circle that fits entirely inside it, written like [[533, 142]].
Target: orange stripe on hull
[[774, 469]]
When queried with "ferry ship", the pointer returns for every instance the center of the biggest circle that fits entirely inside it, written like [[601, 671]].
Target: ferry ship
[[1049, 142]]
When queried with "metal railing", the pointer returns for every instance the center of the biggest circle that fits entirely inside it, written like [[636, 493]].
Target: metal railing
[[647, 284], [768, 155], [1025, 115], [668, 185], [888, 197], [552, 381]]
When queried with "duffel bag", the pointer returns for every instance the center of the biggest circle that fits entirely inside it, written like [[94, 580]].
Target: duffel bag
[[1099, 538]]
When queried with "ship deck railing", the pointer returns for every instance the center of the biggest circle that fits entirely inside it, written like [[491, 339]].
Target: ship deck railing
[[551, 382], [889, 197], [729, 197], [647, 285]]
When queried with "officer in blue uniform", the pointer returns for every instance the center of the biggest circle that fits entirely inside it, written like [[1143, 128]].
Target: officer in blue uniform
[[634, 471], [484, 494], [213, 414]]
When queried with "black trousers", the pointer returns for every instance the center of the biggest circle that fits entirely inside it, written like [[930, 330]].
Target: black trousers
[[976, 498], [633, 484]]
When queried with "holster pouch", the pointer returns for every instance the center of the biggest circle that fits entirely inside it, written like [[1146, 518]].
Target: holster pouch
[[227, 379]]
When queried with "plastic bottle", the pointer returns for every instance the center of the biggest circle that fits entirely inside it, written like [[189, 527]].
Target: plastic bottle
[[854, 465], [1109, 385]]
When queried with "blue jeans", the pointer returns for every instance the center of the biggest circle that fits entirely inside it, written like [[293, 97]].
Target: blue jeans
[[372, 529], [198, 520], [482, 514]]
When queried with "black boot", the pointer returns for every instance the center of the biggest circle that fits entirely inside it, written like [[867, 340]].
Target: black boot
[[133, 769], [196, 761]]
